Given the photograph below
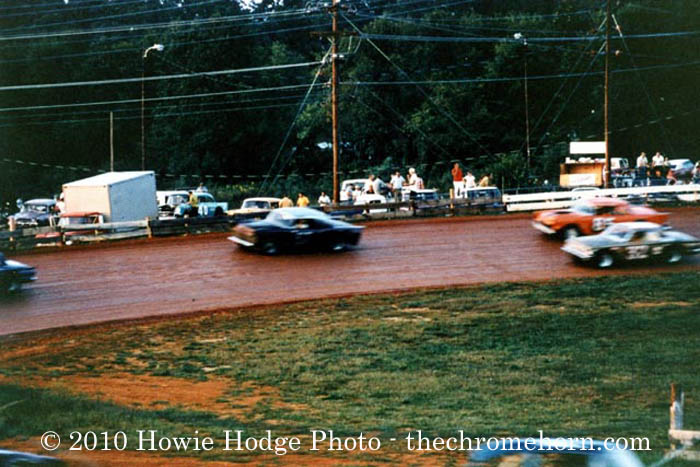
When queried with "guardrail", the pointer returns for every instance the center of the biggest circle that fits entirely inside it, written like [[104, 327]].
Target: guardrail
[[88, 233], [564, 199]]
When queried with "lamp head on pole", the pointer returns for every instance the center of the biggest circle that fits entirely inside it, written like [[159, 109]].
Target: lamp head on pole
[[156, 47]]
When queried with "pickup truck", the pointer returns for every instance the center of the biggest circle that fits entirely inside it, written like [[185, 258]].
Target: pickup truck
[[207, 207]]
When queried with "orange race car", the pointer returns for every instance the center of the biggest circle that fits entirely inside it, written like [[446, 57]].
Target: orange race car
[[590, 216]]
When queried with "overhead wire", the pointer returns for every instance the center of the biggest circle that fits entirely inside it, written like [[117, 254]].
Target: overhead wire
[[654, 110], [156, 78], [545, 112], [291, 126], [421, 90], [351, 83]]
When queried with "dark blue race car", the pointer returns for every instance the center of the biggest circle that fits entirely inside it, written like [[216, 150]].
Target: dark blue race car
[[296, 229], [13, 274]]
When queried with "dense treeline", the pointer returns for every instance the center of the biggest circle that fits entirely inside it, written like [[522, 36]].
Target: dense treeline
[[423, 82]]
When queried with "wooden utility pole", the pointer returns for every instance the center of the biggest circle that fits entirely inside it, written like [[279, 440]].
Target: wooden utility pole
[[111, 141], [527, 112], [334, 100], [606, 104]]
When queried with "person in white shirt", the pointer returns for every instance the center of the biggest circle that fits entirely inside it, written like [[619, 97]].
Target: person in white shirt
[[657, 160], [397, 182], [469, 180], [642, 166], [324, 200], [642, 160], [412, 176]]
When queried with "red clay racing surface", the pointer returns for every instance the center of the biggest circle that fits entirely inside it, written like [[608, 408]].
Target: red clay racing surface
[[156, 278]]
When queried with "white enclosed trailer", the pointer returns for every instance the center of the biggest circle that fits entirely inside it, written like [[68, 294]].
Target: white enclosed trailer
[[118, 196]]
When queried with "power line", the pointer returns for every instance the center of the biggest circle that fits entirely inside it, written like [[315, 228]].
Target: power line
[[350, 83], [148, 26], [69, 9], [457, 39], [291, 126], [155, 78], [422, 91], [158, 99]]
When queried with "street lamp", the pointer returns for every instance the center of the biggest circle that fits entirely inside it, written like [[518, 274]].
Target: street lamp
[[519, 37], [158, 48]]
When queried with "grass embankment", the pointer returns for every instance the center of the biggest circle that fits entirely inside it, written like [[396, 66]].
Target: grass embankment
[[577, 358]]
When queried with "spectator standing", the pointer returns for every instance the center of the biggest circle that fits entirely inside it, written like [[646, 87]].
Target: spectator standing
[[485, 181], [202, 189], [469, 180], [356, 193], [397, 182], [457, 180], [414, 180], [412, 176], [286, 202], [302, 200], [657, 160], [61, 204], [670, 177], [378, 185], [348, 191], [369, 186], [324, 200], [642, 165], [696, 171], [194, 204]]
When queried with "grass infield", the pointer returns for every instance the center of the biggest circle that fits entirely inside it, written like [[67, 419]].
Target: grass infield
[[589, 357]]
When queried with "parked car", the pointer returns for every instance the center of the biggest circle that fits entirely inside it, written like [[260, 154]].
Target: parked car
[[413, 194], [13, 274], [169, 200], [207, 207], [632, 241], [544, 452], [682, 169], [582, 192], [35, 213], [295, 229], [66, 221], [371, 198], [484, 197], [589, 216], [256, 205], [355, 182]]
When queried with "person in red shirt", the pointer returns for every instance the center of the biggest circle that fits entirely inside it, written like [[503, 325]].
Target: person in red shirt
[[457, 177]]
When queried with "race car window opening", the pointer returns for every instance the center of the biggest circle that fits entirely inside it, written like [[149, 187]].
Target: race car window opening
[[583, 209]]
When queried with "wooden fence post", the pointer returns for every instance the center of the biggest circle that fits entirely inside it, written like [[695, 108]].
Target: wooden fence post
[[676, 411], [677, 401]]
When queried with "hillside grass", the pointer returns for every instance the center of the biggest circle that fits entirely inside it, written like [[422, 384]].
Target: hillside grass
[[591, 357]]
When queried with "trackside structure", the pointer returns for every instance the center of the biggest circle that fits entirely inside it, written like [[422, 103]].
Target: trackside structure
[[118, 196]]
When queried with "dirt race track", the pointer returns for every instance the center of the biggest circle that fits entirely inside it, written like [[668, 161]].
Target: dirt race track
[[159, 277]]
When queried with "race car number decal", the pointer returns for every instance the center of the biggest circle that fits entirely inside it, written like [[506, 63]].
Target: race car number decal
[[637, 252], [601, 223]]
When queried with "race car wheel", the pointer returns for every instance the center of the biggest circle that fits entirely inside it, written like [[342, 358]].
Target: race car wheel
[[10, 285], [674, 256], [338, 246], [570, 232], [604, 260], [270, 248]]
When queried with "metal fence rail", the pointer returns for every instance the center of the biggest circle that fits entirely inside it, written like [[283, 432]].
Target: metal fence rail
[[564, 199], [88, 233]]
